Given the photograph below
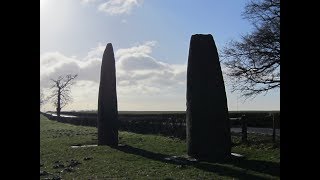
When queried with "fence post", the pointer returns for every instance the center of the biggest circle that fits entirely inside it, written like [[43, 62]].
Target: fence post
[[274, 129], [244, 128]]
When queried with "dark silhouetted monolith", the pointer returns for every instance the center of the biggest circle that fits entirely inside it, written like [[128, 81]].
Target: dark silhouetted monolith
[[208, 127], [107, 101]]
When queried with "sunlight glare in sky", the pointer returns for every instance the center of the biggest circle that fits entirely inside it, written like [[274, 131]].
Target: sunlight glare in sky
[[42, 3]]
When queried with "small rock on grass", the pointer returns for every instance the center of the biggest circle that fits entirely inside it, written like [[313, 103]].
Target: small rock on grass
[[67, 169], [53, 178], [73, 163], [87, 158], [56, 166], [43, 173]]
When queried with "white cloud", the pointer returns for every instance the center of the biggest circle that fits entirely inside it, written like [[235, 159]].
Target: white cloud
[[138, 58], [131, 63], [87, 1], [114, 7], [117, 7], [143, 49], [143, 81], [95, 53], [53, 65], [139, 75]]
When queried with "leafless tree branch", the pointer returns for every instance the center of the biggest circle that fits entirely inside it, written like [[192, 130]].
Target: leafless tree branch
[[253, 63]]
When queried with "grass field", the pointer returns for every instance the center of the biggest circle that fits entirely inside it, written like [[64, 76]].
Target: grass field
[[145, 157], [168, 112]]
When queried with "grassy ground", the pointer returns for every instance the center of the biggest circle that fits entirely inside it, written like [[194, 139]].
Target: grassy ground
[[170, 112], [145, 157]]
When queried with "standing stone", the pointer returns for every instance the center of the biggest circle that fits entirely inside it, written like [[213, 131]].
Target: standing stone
[[208, 128], [107, 101]]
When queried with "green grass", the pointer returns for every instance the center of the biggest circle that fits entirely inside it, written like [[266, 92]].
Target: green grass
[[173, 112], [143, 157], [130, 112]]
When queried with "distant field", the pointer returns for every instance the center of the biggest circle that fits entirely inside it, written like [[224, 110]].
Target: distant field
[[261, 119], [144, 157]]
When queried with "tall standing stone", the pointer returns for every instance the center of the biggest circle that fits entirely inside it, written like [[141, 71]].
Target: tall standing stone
[[208, 127], [107, 101]]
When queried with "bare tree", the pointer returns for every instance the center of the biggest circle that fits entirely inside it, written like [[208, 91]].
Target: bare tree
[[254, 62], [60, 95]]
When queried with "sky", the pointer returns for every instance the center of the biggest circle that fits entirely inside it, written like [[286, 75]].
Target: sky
[[150, 40]]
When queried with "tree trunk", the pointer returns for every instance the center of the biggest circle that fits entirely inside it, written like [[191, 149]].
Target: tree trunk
[[59, 103]]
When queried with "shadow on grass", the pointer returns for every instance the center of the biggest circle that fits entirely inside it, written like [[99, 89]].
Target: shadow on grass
[[264, 167]]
